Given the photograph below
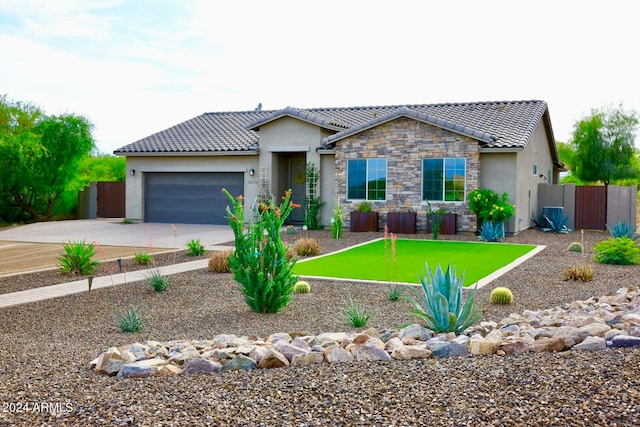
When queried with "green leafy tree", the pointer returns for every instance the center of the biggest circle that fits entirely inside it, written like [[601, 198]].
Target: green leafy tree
[[102, 167], [603, 146], [39, 156]]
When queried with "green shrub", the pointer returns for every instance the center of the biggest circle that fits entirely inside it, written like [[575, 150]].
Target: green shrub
[[158, 282], [307, 246], [575, 247], [259, 262], [77, 258], [489, 206], [501, 296], [142, 258], [623, 228], [130, 319], [195, 248], [440, 307], [302, 287], [619, 250], [579, 273], [219, 262], [355, 315], [364, 207]]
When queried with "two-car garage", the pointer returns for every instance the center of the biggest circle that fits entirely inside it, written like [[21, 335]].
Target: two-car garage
[[189, 197]]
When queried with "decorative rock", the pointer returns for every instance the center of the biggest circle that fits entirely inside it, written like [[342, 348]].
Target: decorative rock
[[410, 352], [239, 363], [290, 350], [201, 365], [591, 343], [482, 346], [554, 344], [593, 329], [273, 359], [141, 369], [447, 349], [514, 346], [307, 358], [624, 341], [415, 331], [336, 353], [370, 351]]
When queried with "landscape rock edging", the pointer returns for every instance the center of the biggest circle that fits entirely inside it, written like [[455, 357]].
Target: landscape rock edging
[[594, 324]]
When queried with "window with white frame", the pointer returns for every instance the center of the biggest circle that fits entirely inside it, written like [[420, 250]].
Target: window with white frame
[[443, 180], [367, 179]]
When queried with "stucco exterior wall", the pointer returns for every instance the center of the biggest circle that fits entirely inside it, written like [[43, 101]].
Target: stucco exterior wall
[[136, 184], [513, 173], [404, 143]]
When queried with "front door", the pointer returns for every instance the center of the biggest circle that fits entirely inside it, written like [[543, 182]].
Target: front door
[[297, 183]]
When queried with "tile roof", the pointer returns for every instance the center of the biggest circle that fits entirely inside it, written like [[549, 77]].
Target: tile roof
[[503, 124]]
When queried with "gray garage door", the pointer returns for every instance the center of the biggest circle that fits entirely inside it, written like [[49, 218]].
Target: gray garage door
[[190, 198]]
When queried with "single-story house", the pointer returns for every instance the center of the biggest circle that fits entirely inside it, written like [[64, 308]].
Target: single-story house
[[395, 157]]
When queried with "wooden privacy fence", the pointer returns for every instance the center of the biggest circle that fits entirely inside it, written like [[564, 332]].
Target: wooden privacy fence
[[102, 200], [590, 207]]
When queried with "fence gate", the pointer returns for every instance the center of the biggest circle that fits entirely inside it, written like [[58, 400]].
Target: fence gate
[[591, 207], [111, 199]]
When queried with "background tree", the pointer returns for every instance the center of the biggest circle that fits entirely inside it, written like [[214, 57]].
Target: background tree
[[603, 146], [39, 156]]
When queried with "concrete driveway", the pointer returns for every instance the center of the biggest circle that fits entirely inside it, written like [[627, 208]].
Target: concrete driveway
[[107, 232]]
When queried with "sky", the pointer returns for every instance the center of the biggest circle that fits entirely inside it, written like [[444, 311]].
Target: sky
[[137, 67]]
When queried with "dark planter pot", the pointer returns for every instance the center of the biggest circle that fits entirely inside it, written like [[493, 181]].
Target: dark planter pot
[[402, 222], [364, 221], [448, 223]]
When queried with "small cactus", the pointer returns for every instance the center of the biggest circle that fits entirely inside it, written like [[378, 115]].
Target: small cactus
[[501, 296], [575, 247], [302, 287]]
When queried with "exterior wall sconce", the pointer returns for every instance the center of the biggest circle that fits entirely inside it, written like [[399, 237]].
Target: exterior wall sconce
[[132, 172], [252, 172]]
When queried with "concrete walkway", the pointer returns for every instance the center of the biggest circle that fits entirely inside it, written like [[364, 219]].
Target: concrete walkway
[[63, 289]]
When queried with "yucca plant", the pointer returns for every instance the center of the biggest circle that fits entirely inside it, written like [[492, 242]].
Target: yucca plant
[[195, 248], [77, 258], [130, 319], [622, 228], [356, 316], [158, 282], [394, 292], [439, 307]]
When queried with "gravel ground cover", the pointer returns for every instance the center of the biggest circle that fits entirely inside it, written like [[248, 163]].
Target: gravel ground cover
[[47, 346]]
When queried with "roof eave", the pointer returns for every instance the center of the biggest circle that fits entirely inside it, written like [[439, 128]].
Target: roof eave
[[186, 153]]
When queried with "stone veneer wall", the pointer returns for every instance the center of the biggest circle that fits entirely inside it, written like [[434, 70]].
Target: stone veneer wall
[[404, 143]]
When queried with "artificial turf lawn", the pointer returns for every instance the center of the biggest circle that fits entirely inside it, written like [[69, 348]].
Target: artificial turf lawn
[[372, 262]]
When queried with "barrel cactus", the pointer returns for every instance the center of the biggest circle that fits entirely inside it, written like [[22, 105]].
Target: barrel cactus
[[501, 296], [575, 247], [302, 287]]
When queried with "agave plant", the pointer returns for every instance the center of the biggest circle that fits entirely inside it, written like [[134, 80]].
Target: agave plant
[[622, 228], [556, 222], [491, 231], [439, 307]]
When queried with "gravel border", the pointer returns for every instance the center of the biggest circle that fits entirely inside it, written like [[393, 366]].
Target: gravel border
[[47, 345]]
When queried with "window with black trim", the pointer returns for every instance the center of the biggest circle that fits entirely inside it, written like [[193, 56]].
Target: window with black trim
[[367, 179], [443, 180]]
